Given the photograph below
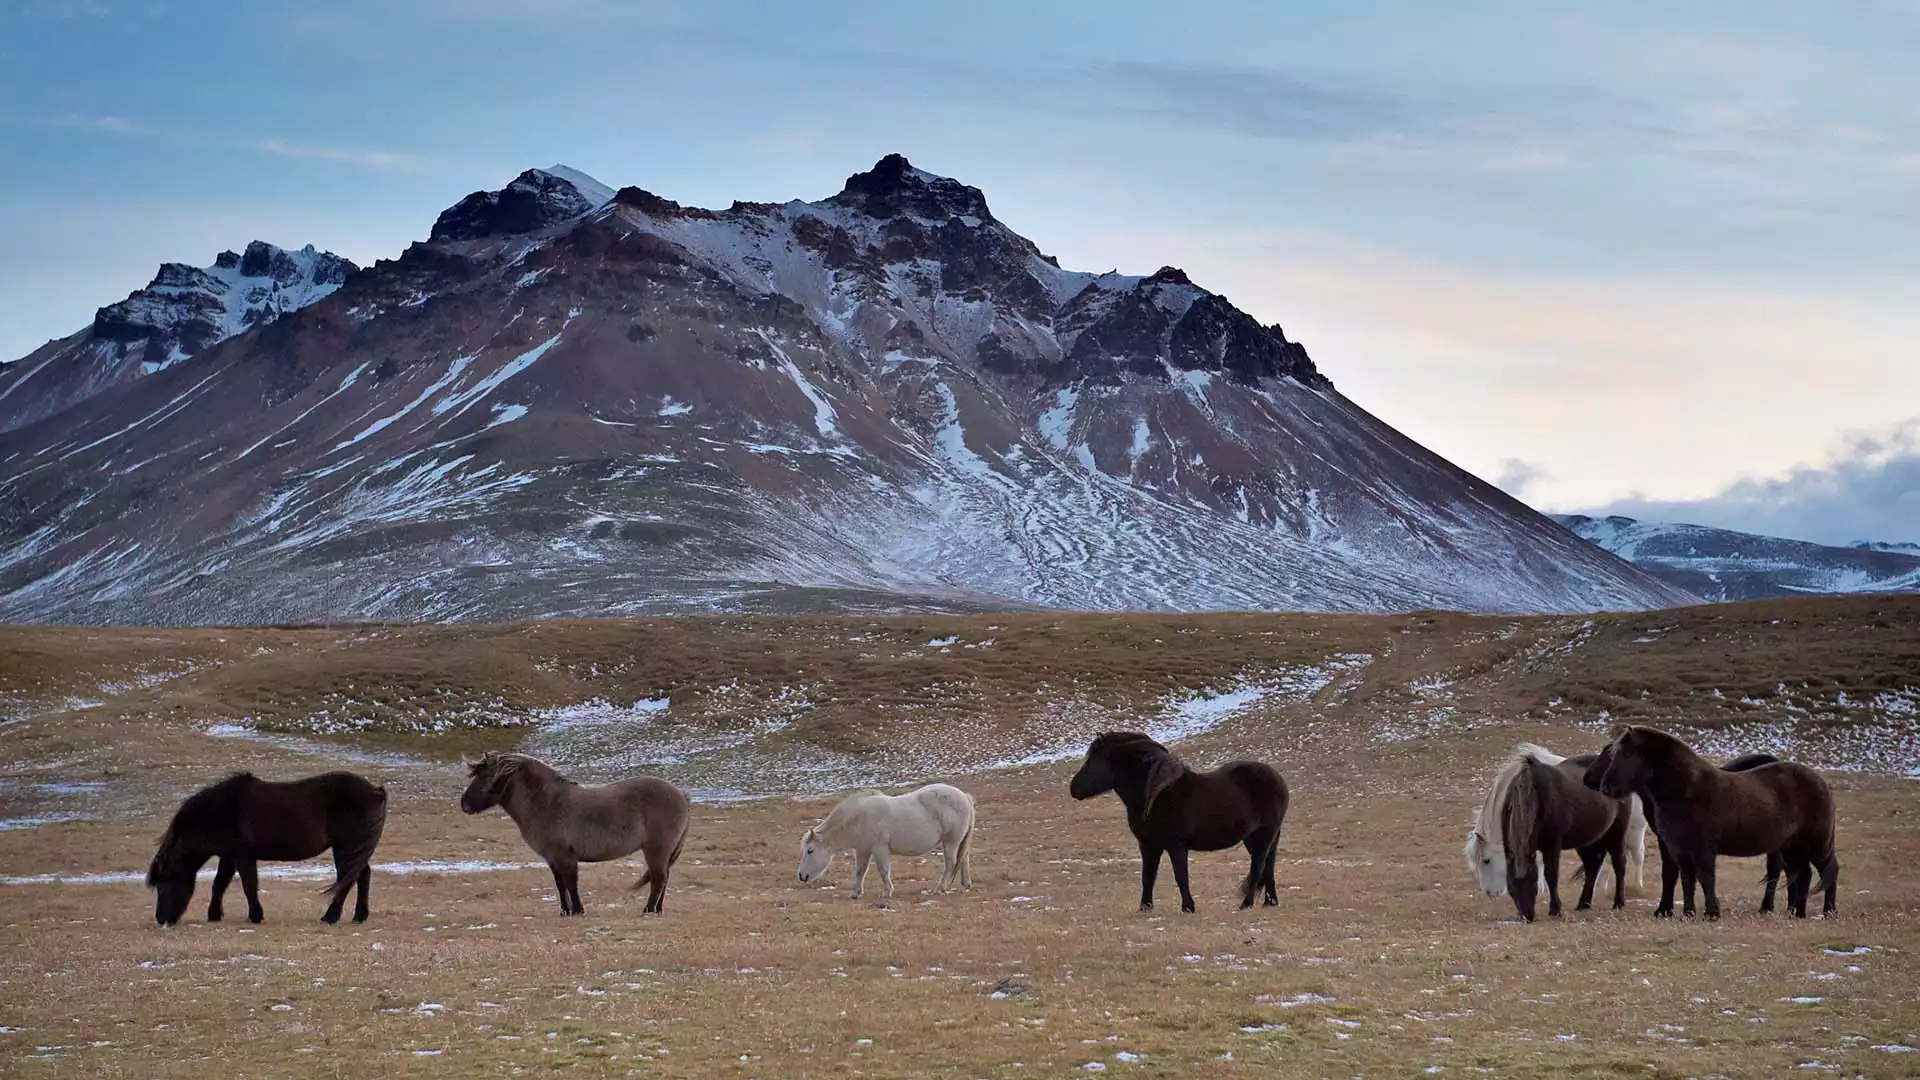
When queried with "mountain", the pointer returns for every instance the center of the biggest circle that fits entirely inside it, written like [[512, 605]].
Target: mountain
[[1903, 547], [183, 312], [571, 400], [1720, 564]]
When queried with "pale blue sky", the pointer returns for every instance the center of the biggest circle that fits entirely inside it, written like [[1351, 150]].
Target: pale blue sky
[[1600, 253]]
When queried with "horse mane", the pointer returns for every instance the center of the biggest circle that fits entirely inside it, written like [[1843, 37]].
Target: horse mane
[[837, 817], [193, 808], [1488, 824], [1520, 817], [1155, 766]]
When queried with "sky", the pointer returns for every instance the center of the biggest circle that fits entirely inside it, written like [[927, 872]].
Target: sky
[[1638, 257]]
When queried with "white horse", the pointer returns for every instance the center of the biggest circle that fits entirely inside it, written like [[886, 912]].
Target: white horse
[[873, 824], [1486, 844]]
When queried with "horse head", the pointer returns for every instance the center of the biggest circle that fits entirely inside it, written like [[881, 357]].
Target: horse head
[[171, 876], [1127, 759], [1624, 767], [815, 854], [491, 775]]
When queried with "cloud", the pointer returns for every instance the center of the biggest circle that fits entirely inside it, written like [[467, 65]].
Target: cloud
[[1516, 476], [277, 147], [1869, 489], [379, 159], [1271, 104]]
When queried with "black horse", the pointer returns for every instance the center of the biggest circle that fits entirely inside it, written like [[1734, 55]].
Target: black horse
[[243, 819], [1782, 810], [1670, 873], [1174, 809]]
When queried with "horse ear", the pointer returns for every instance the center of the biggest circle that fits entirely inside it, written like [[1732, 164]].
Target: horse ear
[[1160, 776]]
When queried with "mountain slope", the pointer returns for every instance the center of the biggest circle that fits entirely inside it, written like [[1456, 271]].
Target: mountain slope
[[185, 310], [1721, 564], [574, 402]]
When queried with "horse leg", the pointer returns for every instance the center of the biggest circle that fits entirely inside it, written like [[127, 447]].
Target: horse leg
[[1550, 866], [947, 855], [1267, 869], [360, 902], [1708, 892], [1590, 860], [562, 872], [1799, 883], [343, 878], [1619, 858], [1669, 877], [860, 872], [1149, 870], [883, 862], [1773, 882], [220, 879], [1178, 856], [250, 884], [1829, 882], [1256, 854], [1689, 877]]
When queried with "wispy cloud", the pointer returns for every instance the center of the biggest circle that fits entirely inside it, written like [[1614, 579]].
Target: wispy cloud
[[1868, 489], [277, 147], [378, 159], [1516, 476]]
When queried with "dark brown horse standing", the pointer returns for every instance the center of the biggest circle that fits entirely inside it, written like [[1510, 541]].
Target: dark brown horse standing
[[568, 824], [1173, 809], [1669, 866], [243, 820], [1704, 813], [1548, 810]]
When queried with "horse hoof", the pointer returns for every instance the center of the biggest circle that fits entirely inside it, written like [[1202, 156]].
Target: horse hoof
[[329, 919], [359, 918], [256, 918]]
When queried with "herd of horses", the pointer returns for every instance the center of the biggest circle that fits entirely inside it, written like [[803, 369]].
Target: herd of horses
[[1598, 805]]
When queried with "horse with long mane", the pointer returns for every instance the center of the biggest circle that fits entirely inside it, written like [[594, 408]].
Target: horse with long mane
[[1172, 809], [1548, 809], [1669, 866], [244, 819], [1486, 841], [876, 826], [1704, 813], [567, 823]]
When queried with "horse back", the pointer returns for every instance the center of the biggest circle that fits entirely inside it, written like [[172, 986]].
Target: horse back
[[1759, 810], [298, 819]]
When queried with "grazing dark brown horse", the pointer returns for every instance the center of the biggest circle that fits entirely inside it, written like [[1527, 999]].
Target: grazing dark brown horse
[[567, 824], [1174, 809], [243, 819], [1669, 866], [1704, 813], [1548, 810]]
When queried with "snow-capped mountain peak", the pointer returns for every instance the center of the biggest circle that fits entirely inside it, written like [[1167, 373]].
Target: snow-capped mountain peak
[[894, 188], [534, 200], [181, 313], [1723, 564], [568, 403]]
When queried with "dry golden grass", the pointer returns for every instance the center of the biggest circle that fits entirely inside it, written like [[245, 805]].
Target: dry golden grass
[[750, 974]]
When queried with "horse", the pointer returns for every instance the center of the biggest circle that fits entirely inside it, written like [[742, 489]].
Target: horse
[[1174, 809], [1547, 809], [567, 824], [1703, 813], [244, 819], [1669, 866], [877, 826], [1486, 847]]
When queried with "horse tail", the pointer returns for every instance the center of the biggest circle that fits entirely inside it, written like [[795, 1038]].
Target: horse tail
[[352, 854], [1520, 818], [1637, 840]]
